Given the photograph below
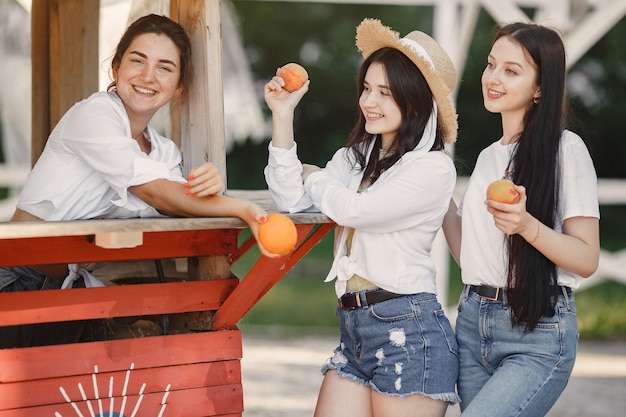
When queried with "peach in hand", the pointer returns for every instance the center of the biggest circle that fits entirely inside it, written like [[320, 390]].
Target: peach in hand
[[278, 234], [502, 191], [294, 75]]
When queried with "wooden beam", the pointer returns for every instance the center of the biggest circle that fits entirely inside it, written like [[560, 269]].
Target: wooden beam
[[202, 115], [65, 61]]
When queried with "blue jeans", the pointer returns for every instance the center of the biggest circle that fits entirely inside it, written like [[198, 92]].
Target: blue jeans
[[399, 347], [505, 371], [24, 278]]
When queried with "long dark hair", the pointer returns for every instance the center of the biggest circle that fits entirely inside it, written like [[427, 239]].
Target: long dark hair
[[160, 25], [415, 100], [532, 278]]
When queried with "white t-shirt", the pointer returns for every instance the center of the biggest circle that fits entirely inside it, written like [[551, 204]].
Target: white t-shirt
[[89, 162], [483, 254], [395, 219]]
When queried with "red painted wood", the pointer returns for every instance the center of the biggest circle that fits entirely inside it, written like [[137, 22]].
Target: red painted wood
[[117, 355], [156, 245], [31, 307], [47, 391], [198, 402], [263, 275]]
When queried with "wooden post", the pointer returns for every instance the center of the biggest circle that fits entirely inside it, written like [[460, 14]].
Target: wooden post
[[202, 116], [202, 125], [64, 61]]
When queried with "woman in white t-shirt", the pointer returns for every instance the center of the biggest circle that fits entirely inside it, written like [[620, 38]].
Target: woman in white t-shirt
[[516, 325], [103, 160]]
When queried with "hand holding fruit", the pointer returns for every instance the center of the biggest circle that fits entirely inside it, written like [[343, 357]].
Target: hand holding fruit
[[293, 75], [278, 234], [285, 90], [506, 202], [503, 191]]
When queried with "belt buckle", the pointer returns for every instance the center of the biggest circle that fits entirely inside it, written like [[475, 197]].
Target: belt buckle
[[494, 298], [357, 301]]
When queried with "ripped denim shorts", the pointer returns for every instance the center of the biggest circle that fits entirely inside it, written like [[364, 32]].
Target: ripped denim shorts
[[399, 347]]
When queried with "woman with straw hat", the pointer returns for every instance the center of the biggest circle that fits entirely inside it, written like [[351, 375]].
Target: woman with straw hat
[[388, 191]]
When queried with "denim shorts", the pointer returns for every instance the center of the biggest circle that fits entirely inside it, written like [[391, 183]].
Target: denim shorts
[[507, 371], [25, 278], [399, 347]]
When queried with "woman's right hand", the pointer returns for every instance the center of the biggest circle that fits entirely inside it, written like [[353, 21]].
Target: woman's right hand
[[280, 100], [254, 215]]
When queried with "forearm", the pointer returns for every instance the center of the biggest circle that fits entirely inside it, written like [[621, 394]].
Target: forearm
[[577, 249], [452, 231], [169, 198], [282, 130]]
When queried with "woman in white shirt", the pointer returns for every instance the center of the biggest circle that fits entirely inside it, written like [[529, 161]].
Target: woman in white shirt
[[388, 191], [516, 327], [103, 160]]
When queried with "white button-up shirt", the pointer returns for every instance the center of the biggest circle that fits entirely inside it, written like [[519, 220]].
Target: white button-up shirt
[[89, 162], [395, 219]]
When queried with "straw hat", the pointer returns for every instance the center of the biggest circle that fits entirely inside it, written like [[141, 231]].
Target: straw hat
[[427, 55]]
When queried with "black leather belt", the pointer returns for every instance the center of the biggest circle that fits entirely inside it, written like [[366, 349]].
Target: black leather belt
[[352, 300], [496, 294], [490, 293]]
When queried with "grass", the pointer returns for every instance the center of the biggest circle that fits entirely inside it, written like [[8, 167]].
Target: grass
[[301, 300]]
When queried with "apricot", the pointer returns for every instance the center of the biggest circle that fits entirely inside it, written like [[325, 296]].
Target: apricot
[[502, 191], [278, 234], [294, 75]]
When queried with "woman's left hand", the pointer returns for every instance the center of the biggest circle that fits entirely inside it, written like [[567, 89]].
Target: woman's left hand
[[512, 218], [204, 180]]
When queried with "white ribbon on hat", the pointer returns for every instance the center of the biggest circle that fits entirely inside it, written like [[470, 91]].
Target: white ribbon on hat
[[418, 49], [430, 133]]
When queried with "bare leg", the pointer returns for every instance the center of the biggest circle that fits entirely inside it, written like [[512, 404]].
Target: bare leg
[[414, 405], [340, 397]]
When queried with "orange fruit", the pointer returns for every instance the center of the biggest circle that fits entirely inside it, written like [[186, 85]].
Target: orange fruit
[[278, 234], [502, 191], [294, 75]]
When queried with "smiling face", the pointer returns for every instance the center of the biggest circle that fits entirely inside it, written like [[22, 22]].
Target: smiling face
[[381, 112], [148, 76], [509, 82]]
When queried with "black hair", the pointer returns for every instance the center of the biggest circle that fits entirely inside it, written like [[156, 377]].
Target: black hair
[[532, 278], [413, 96]]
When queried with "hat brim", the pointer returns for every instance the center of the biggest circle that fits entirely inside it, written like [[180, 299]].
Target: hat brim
[[371, 36]]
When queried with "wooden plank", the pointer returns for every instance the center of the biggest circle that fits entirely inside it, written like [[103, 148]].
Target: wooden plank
[[89, 227], [117, 355], [263, 275], [116, 384], [30, 307], [156, 245], [198, 402]]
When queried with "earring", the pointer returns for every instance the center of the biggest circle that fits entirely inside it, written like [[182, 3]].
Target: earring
[[536, 100]]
